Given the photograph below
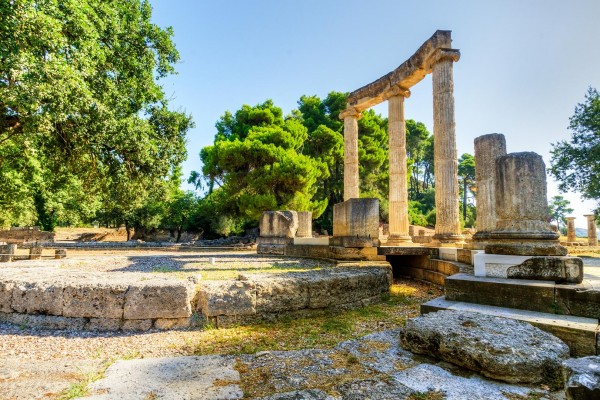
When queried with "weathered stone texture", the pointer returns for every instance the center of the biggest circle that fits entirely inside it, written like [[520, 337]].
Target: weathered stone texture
[[398, 196], [159, 299], [38, 298], [447, 226], [571, 230], [7, 252], [557, 269], [592, 230], [351, 177], [522, 226], [304, 224], [357, 218], [498, 348], [94, 300], [487, 149], [278, 224], [227, 298], [582, 378]]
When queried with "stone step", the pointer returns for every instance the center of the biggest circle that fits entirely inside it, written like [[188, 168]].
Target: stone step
[[512, 293], [580, 334], [581, 300], [449, 267]]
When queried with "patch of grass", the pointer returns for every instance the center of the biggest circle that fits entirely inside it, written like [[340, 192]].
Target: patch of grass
[[79, 389], [431, 395], [321, 331]]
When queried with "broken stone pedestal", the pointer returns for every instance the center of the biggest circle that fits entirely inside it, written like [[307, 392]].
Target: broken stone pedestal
[[356, 223], [592, 232], [277, 230], [522, 209], [557, 269]]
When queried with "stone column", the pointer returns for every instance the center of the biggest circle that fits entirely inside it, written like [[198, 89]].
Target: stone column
[[592, 232], [571, 230], [522, 226], [447, 226], [351, 178], [398, 190], [487, 149]]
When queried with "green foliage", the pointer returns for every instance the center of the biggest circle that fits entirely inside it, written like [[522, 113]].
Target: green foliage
[[558, 208], [466, 180], [81, 111], [576, 164], [258, 163]]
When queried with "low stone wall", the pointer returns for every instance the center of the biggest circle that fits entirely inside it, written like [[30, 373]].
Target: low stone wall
[[56, 298], [25, 234], [261, 297]]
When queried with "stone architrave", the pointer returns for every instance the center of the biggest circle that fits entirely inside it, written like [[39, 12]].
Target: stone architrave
[[447, 226], [522, 226], [487, 149], [592, 230], [304, 224], [571, 238], [351, 178], [398, 190]]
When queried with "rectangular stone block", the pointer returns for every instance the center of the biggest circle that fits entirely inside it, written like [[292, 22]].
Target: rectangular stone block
[[511, 293], [448, 253], [278, 224], [304, 224], [338, 288], [7, 252], [226, 298], [35, 252], [94, 300], [159, 299], [37, 298], [357, 218], [172, 323], [104, 324], [136, 324], [311, 241], [308, 251], [44, 321], [578, 300], [275, 249], [281, 294], [6, 289], [60, 253]]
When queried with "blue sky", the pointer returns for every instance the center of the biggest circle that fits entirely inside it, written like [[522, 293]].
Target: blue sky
[[524, 64]]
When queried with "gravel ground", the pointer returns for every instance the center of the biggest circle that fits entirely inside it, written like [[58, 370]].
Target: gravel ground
[[227, 264], [39, 364]]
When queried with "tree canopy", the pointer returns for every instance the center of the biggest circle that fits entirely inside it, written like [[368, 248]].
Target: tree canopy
[[576, 163], [558, 208], [82, 114]]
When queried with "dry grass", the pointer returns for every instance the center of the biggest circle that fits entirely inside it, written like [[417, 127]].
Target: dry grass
[[317, 332]]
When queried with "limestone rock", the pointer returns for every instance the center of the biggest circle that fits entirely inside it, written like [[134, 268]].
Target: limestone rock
[[373, 389], [279, 294], [6, 290], [226, 298], [38, 298], [278, 224], [206, 378], [557, 269], [582, 378], [159, 299], [498, 348], [308, 394], [94, 299]]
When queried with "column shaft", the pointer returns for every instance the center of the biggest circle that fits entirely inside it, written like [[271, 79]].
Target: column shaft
[[487, 149], [398, 196], [592, 232], [571, 230], [447, 227], [351, 178]]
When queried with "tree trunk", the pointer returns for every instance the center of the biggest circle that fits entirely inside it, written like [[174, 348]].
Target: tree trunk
[[128, 231], [465, 201], [179, 230]]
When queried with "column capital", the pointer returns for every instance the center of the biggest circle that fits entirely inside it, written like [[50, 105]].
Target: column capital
[[570, 218], [590, 216], [396, 91], [441, 55], [350, 112]]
